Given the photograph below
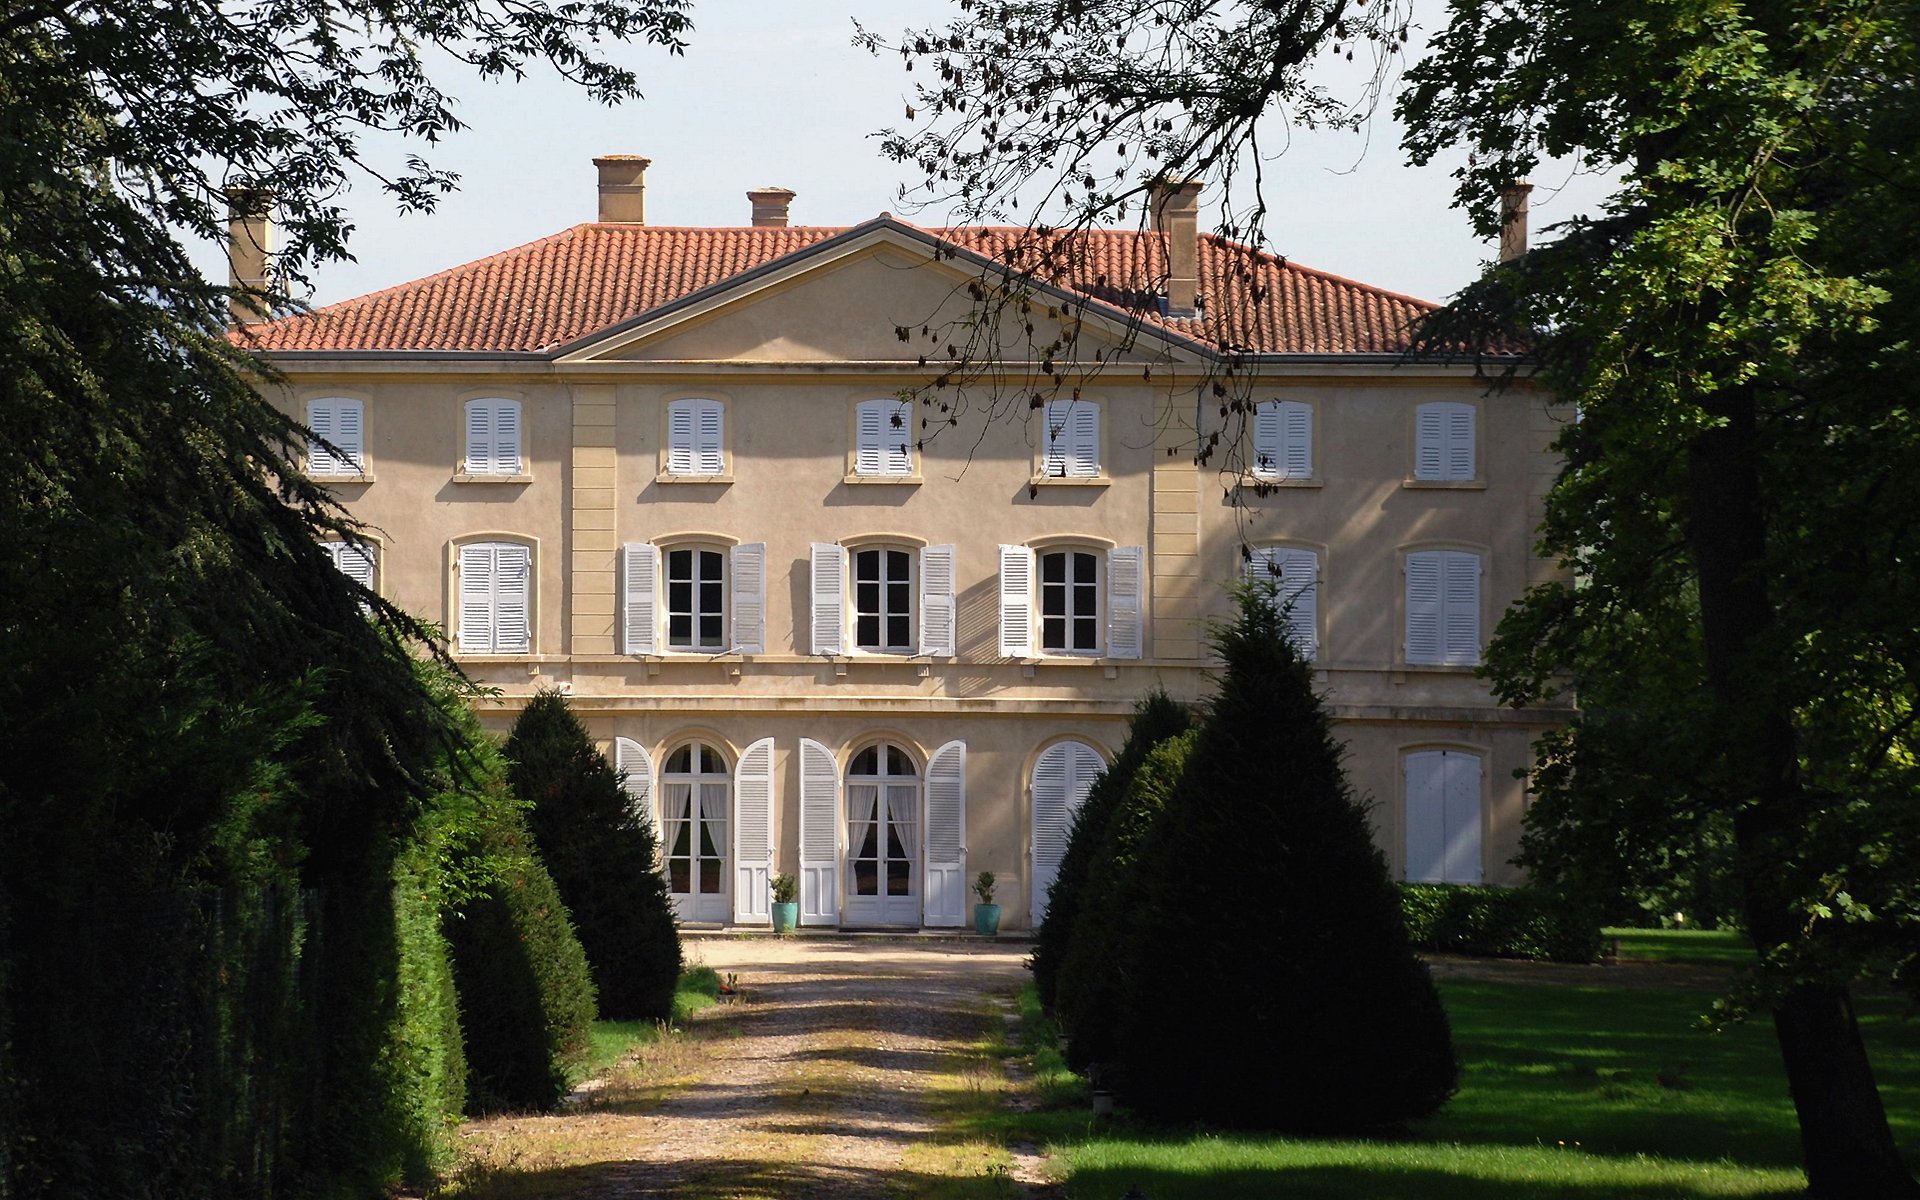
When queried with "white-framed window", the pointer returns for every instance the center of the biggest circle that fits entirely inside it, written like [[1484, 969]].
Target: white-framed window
[[358, 561], [1282, 440], [689, 597], [1071, 600], [695, 787], [1444, 441], [883, 818], [1293, 575], [883, 439], [1443, 607], [1443, 816], [694, 437], [339, 444], [496, 597], [882, 599], [1070, 446], [493, 437]]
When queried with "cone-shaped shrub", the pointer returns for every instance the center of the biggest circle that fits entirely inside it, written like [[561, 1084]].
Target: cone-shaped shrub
[[1266, 900], [1093, 981], [1155, 719], [603, 857]]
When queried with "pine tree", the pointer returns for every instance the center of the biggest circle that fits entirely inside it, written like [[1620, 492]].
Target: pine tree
[[1262, 877], [603, 856]]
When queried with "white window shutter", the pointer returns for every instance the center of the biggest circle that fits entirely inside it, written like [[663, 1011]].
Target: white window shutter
[[1061, 778], [1126, 584], [1430, 433], [1460, 463], [1461, 601], [828, 585], [640, 576], [709, 457], [937, 601], [1016, 601], [869, 455], [338, 421], [1425, 608], [819, 835], [1294, 575], [1269, 442], [896, 435], [355, 561], [479, 458], [946, 899], [750, 598], [1072, 439], [512, 599], [1086, 439], [680, 438], [1297, 457], [506, 438], [631, 759], [753, 833], [1426, 817], [476, 599], [1462, 820]]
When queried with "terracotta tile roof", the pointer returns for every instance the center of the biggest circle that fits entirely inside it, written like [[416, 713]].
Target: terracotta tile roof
[[589, 278]]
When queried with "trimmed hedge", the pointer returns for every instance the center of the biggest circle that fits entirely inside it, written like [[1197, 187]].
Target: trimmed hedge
[[1496, 922]]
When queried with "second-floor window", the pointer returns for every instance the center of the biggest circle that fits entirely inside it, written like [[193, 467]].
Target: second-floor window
[[339, 445], [1071, 440], [696, 606], [1292, 575], [900, 601], [883, 439], [1283, 440], [883, 601], [698, 598], [694, 438], [1071, 601], [1443, 441], [1443, 607], [493, 437], [357, 561], [496, 580]]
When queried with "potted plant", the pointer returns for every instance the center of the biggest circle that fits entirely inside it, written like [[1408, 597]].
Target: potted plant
[[986, 914], [786, 909]]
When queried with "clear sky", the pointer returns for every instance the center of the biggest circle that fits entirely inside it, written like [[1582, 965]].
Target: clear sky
[[776, 94]]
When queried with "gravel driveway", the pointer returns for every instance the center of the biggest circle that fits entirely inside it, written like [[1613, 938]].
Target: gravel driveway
[[815, 1083]]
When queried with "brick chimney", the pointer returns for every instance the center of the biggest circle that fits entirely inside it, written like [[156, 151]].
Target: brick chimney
[[770, 206], [249, 253], [1176, 214], [1513, 220], [623, 189]]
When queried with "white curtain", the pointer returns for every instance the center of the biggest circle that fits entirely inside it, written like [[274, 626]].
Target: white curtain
[[901, 817]]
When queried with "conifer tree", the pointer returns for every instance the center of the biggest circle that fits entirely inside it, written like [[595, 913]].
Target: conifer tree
[[603, 856], [1262, 876]]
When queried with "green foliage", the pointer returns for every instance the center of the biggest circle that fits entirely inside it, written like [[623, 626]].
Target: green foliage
[[785, 888], [1261, 875], [1155, 718], [603, 856], [1495, 922]]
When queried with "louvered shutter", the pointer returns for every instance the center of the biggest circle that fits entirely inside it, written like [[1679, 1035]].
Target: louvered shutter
[[936, 601], [1462, 820], [636, 765], [1016, 601], [1061, 778], [1425, 608], [946, 899], [479, 459], [1294, 576], [680, 438], [883, 436], [1460, 441], [1297, 459], [828, 585], [339, 423], [1269, 441], [476, 598], [1072, 439], [753, 833], [1430, 434], [505, 456], [1426, 817], [639, 583], [512, 601], [750, 598], [1126, 583], [355, 561], [819, 835], [1461, 602], [709, 457]]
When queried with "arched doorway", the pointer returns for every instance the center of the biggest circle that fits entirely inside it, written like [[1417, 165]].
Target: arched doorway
[[1061, 776], [695, 788], [883, 843]]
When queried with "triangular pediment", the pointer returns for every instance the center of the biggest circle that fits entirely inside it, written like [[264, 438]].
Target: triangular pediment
[[851, 301]]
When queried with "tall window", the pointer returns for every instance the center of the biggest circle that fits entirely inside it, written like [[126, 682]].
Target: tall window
[[493, 437], [1293, 576], [694, 444], [1283, 440], [1071, 445], [883, 805], [1443, 607], [693, 824], [495, 582], [883, 438], [1443, 441], [696, 599], [1070, 602], [883, 600], [339, 445], [1443, 817]]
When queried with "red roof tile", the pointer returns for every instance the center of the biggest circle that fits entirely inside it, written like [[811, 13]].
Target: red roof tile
[[589, 278]]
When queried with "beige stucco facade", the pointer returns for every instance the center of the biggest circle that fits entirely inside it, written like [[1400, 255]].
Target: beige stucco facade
[[788, 355]]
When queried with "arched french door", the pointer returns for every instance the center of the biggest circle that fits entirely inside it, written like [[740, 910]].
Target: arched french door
[[883, 838], [1061, 776], [695, 788]]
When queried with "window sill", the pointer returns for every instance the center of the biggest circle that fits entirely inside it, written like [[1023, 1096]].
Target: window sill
[[1404, 669], [870, 480], [1098, 481], [494, 657], [1458, 485], [669, 477], [341, 476], [1260, 485], [470, 477]]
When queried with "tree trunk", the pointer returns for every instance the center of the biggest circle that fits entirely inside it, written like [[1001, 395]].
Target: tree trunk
[[1845, 1142]]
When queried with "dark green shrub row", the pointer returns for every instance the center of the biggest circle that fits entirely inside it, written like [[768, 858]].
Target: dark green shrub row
[[1495, 922]]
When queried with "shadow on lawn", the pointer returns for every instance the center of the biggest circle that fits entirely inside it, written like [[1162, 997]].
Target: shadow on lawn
[[1373, 1183]]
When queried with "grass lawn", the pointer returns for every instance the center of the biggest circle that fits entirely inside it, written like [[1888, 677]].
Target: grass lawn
[[613, 1041], [1567, 1092], [1702, 947]]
